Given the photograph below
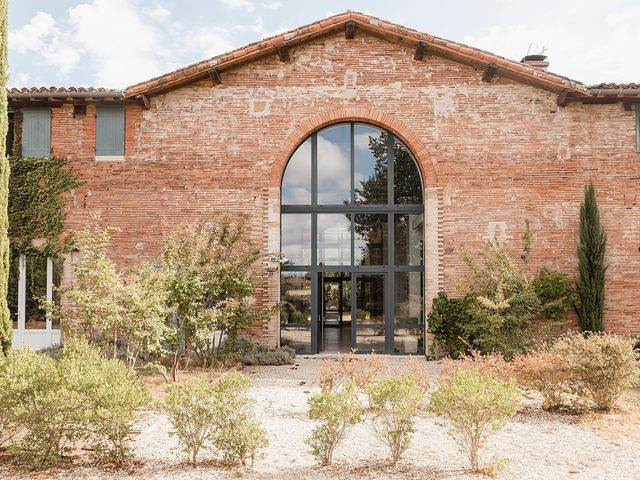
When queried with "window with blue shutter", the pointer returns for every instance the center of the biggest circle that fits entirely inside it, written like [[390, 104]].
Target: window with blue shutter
[[109, 131], [36, 132]]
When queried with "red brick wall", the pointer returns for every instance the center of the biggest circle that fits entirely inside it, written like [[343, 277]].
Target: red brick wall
[[501, 152]]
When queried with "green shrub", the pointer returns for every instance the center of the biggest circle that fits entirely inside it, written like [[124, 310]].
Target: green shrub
[[337, 412], [192, 409], [499, 306], [504, 303], [21, 373], [555, 293], [238, 435], [242, 350], [394, 401], [601, 366], [447, 321], [475, 406], [215, 416], [80, 399]]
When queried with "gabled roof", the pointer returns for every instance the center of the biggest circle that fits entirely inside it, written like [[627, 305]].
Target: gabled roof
[[359, 22], [352, 23]]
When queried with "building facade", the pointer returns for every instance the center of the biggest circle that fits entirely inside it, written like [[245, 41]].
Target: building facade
[[364, 155]]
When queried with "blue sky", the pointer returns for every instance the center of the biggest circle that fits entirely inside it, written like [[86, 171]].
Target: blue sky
[[115, 43]]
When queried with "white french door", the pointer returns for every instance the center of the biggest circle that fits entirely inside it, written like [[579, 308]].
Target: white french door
[[36, 277]]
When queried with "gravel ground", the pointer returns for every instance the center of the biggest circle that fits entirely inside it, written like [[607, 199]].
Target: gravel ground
[[535, 445]]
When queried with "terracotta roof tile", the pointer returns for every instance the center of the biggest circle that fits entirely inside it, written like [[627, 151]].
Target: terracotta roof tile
[[253, 50], [59, 90], [612, 85]]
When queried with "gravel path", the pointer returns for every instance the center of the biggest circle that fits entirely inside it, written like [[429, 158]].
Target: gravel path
[[535, 445]]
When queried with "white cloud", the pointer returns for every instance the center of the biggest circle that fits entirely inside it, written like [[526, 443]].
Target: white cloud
[[239, 4], [272, 5], [19, 80], [122, 47], [157, 12], [206, 42], [41, 37], [31, 37], [574, 49]]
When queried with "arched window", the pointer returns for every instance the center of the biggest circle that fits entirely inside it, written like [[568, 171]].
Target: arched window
[[352, 243]]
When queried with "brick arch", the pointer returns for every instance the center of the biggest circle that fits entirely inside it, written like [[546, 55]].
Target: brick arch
[[355, 114]]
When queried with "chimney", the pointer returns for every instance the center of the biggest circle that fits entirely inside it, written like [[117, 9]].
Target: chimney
[[537, 61]]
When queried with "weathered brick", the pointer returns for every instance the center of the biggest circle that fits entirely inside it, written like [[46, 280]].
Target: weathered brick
[[496, 154]]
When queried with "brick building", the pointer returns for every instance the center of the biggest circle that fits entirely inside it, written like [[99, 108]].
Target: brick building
[[365, 153]]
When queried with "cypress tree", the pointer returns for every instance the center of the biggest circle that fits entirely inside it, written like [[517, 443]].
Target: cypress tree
[[591, 249], [5, 320]]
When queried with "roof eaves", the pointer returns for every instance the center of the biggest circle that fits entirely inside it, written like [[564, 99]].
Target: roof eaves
[[399, 33]]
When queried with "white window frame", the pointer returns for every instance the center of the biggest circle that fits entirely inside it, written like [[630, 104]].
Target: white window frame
[[34, 337]]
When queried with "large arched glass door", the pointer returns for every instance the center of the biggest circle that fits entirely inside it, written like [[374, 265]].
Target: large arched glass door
[[352, 273]]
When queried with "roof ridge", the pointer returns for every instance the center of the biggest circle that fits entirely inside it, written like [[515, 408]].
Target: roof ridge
[[246, 53]]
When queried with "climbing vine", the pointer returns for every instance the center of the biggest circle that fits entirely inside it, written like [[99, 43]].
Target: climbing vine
[[36, 205]]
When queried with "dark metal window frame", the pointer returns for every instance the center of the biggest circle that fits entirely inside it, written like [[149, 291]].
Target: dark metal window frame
[[388, 270]]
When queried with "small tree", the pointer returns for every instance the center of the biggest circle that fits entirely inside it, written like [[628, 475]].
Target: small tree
[[144, 314], [592, 270], [210, 284], [108, 302], [394, 401], [337, 411], [475, 406], [96, 293]]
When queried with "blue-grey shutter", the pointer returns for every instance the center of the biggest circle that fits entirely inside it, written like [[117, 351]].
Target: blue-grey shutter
[[109, 131], [36, 132]]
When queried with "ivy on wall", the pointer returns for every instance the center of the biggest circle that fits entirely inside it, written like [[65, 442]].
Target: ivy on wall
[[36, 205]]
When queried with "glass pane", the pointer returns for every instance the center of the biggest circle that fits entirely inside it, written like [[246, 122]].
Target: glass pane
[[371, 233], [370, 165], [334, 239], [296, 239], [295, 316], [408, 294], [337, 298], [296, 182], [298, 338], [58, 264], [36, 273], [370, 299], [12, 292], [334, 165], [407, 187], [408, 340], [408, 239], [370, 340]]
